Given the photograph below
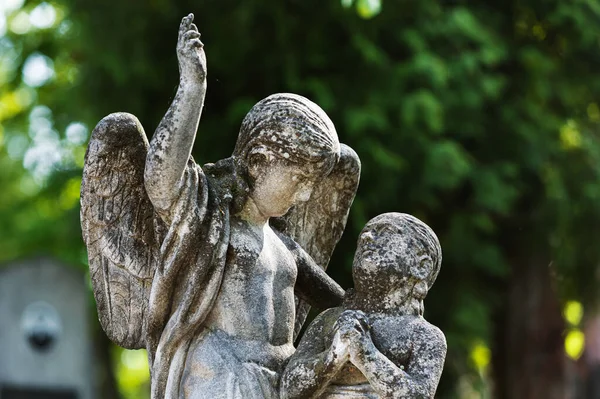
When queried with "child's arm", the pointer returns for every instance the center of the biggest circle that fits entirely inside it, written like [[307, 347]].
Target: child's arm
[[315, 363], [421, 377]]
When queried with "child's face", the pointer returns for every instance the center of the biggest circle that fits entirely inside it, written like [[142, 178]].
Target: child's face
[[386, 257]]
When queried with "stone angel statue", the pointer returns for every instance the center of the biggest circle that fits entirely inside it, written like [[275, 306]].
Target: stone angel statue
[[212, 268]]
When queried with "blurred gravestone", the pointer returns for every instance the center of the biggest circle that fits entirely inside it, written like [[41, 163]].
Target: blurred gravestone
[[45, 341]]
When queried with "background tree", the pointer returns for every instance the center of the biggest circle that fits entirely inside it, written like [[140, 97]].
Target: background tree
[[481, 118]]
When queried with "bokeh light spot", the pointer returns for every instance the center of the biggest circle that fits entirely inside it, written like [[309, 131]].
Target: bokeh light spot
[[574, 344], [2, 25], [37, 70], [76, 133], [570, 136], [347, 3], [368, 8], [16, 147], [481, 356], [7, 6], [573, 312], [43, 16], [9, 105], [20, 24], [132, 372]]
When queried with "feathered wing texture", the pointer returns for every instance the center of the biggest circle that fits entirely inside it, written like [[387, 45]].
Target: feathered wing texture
[[120, 228], [317, 225]]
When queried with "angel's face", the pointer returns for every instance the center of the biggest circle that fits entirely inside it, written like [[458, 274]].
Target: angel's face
[[279, 185]]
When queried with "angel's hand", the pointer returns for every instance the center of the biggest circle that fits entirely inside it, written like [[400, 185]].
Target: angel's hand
[[190, 52]]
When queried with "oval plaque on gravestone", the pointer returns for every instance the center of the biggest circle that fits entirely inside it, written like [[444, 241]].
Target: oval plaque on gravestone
[[41, 325], [45, 339]]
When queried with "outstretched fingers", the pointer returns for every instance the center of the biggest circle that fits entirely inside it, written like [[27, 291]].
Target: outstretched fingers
[[193, 37], [188, 32], [186, 23], [190, 50]]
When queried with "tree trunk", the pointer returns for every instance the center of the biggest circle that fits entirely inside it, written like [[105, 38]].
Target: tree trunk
[[589, 364], [529, 358]]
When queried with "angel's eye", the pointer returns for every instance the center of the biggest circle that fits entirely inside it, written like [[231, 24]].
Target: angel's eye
[[299, 178]]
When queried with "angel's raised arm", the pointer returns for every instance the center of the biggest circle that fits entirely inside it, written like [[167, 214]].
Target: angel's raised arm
[[172, 143]]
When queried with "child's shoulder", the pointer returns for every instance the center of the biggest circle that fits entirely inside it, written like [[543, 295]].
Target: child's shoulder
[[411, 325], [424, 331]]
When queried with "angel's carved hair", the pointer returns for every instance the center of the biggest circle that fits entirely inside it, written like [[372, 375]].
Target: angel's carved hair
[[421, 235], [289, 127], [285, 126]]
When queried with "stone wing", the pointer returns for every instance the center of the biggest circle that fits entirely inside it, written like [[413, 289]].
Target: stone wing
[[317, 225], [120, 228]]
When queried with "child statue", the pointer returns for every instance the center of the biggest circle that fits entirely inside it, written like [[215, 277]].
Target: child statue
[[183, 259], [377, 344]]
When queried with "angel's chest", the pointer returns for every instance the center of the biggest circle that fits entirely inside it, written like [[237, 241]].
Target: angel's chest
[[259, 256]]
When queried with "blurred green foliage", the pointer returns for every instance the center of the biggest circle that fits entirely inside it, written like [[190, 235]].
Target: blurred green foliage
[[481, 118]]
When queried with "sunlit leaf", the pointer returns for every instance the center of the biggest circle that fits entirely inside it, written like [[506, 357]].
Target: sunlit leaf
[[593, 112], [570, 136]]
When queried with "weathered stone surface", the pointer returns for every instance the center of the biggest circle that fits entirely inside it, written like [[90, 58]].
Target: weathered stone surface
[[377, 344], [183, 258]]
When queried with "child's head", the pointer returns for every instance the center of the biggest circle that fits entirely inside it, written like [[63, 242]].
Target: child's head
[[396, 249], [286, 143]]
